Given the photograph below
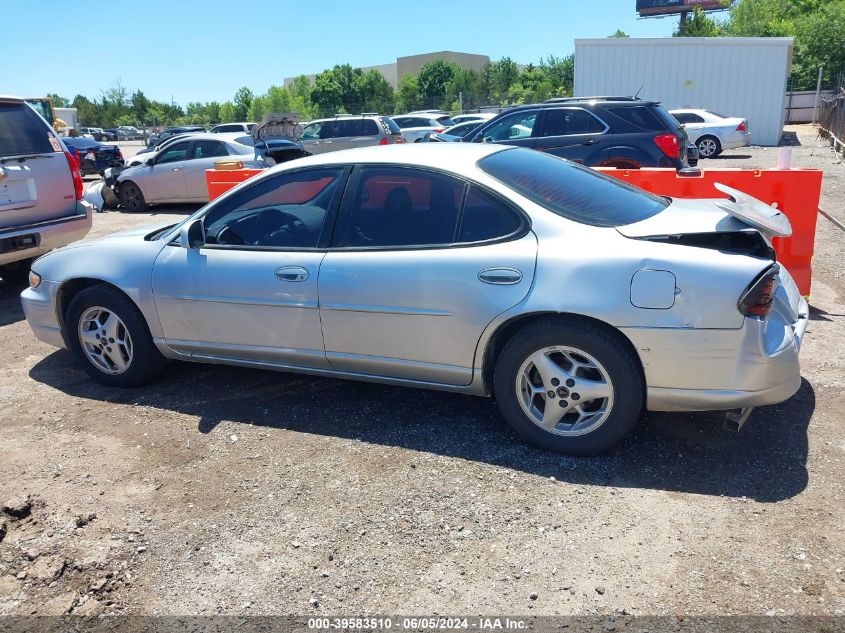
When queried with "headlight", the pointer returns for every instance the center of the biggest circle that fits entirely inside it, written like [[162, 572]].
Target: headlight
[[34, 279]]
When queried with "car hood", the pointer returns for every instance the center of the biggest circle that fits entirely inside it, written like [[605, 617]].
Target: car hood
[[739, 212]]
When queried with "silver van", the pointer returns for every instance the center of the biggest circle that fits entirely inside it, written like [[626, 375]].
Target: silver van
[[347, 131], [41, 206]]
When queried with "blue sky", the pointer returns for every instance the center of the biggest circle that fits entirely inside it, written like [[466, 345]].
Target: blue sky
[[205, 50]]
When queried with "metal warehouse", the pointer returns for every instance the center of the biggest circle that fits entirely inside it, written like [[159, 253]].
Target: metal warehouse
[[735, 76]]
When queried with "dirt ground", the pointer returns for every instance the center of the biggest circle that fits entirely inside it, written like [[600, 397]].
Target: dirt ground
[[221, 490]]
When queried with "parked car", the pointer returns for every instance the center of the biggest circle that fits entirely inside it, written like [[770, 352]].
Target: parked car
[[472, 116], [596, 131], [465, 128], [176, 173], [576, 299], [349, 131], [232, 127], [92, 157], [129, 133], [156, 139], [96, 133], [415, 126], [110, 134], [713, 132], [41, 206]]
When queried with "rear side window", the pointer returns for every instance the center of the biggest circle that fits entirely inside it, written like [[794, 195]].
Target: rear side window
[[688, 117], [206, 149], [642, 118], [22, 132], [486, 217], [329, 130], [571, 190], [568, 121], [391, 125], [398, 207], [229, 128]]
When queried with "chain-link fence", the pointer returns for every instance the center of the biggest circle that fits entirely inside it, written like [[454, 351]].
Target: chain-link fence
[[832, 116]]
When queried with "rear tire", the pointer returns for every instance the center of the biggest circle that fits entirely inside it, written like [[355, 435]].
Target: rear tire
[[16, 273], [708, 147], [131, 197], [109, 337], [546, 375]]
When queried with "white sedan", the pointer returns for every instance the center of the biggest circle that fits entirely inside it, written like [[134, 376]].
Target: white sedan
[[176, 173], [713, 132]]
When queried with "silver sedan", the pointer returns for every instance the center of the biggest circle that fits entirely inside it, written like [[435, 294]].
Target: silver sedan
[[176, 172], [574, 299]]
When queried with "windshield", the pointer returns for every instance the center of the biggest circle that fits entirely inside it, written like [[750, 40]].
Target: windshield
[[570, 190]]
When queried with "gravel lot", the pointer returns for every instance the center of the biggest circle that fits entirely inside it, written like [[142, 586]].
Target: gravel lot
[[221, 490]]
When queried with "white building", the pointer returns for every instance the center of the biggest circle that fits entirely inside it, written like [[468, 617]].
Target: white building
[[735, 76]]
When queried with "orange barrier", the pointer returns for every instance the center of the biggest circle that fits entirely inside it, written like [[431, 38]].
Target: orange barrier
[[219, 181], [794, 191]]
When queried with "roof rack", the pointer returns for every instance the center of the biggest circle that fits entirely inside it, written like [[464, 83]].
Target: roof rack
[[602, 98]]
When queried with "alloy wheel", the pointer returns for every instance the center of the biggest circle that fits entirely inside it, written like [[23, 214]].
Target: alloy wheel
[[564, 390], [105, 340], [707, 147]]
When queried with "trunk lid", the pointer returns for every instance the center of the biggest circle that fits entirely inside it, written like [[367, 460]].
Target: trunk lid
[[738, 213]]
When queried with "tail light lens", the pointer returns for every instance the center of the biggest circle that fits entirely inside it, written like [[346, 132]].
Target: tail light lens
[[668, 144], [383, 141], [440, 130], [398, 139], [77, 177], [741, 127], [758, 298], [76, 156], [119, 153]]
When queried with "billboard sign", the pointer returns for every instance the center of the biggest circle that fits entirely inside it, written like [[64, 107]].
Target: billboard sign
[[663, 7]]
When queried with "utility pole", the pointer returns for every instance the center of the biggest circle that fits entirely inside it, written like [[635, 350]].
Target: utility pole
[[461, 101], [818, 94], [683, 21]]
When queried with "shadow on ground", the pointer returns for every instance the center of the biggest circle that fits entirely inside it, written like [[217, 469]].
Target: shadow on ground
[[789, 139], [10, 304], [724, 156], [689, 453]]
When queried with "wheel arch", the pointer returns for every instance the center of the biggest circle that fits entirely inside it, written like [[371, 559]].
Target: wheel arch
[[503, 333], [71, 288]]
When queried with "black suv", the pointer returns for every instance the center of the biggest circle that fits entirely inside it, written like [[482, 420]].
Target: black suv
[[597, 131]]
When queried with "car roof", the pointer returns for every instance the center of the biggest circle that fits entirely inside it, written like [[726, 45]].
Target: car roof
[[454, 157]]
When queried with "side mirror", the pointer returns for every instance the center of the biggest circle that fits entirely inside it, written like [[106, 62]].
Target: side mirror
[[476, 138], [150, 162], [192, 234]]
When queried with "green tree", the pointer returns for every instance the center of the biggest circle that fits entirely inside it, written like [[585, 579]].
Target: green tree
[[819, 42], [618, 34], [376, 93], [327, 94], [560, 72], [467, 84], [699, 24], [139, 104], [407, 94], [59, 102], [89, 113], [433, 81], [242, 100], [228, 112], [502, 75]]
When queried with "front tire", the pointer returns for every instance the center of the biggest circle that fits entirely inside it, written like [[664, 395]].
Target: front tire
[[131, 197], [569, 386], [109, 337]]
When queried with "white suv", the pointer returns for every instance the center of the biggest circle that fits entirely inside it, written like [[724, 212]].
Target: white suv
[[41, 206]]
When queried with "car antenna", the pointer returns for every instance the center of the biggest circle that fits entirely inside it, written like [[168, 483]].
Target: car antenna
[[638, 91]]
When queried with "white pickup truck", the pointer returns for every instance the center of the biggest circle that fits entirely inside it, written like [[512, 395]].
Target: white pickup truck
[[41, 205]]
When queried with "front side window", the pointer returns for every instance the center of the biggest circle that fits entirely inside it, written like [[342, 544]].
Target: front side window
[[207, 149], [511, 126], [285, 211], [399, 207], [311, 132], [640, 117], [571, 190], [174, 153]]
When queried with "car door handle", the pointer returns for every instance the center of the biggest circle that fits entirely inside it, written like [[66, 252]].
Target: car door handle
[[592, 141], [500, 276], [291, 273], [176, 169]]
